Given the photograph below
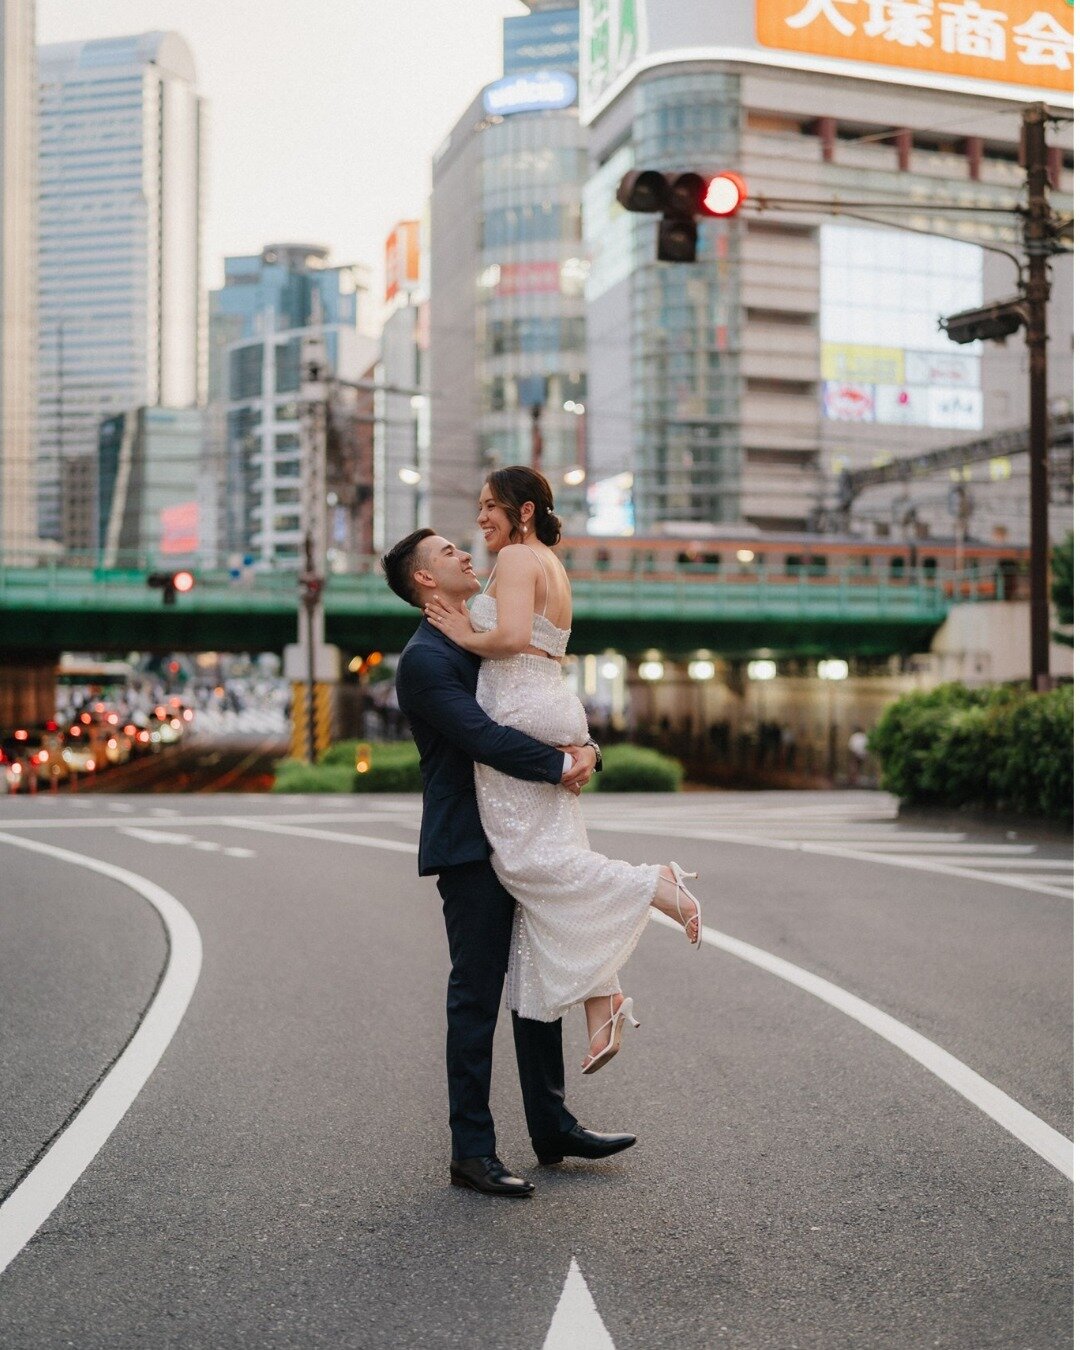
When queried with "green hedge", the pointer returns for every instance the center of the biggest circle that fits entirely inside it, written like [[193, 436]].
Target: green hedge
[[395, 767], [635, 768], [1000, 746]]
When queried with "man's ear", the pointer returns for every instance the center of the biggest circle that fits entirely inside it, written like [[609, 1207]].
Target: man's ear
[[423, 581]]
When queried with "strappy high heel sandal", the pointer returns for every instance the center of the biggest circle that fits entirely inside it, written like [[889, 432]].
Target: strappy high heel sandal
[[624, 1012], [680, 890]]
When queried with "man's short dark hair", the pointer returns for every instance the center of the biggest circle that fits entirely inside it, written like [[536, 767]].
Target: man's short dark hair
[[400, 562]]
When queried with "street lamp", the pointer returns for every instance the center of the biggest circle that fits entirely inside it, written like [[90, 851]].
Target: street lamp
[[409, 475], [574, 477]]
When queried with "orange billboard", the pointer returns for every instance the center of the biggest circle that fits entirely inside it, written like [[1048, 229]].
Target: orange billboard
[[402, 257], [1023, 42]]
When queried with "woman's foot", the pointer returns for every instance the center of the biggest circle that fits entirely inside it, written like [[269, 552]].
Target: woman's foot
[[673, 899], [605, 1017]]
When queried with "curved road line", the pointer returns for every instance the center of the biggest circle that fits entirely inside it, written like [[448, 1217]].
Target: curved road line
[[1047, 1142], [50, 1179]]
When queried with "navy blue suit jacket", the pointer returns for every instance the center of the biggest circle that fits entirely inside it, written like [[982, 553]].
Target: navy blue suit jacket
[[436, 688]]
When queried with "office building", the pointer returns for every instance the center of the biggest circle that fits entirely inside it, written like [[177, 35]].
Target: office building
[[402, 466], [801, 343], [122, 307], [149, 498], [259, 318], [507, 325], [18, 271]]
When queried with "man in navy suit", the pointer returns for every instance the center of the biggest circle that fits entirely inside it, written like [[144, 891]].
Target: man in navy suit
[[436, 688]]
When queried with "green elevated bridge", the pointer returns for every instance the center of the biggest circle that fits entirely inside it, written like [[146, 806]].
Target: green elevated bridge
[[730, 611]]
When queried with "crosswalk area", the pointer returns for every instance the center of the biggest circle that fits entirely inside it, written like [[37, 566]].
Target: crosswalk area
[[862, 825]]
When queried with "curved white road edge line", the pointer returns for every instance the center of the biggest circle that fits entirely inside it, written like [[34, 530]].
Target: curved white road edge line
[[42, 1189], [1047, 1142]]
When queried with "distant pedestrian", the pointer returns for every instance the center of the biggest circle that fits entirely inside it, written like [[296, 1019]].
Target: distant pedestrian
[[858, 748]]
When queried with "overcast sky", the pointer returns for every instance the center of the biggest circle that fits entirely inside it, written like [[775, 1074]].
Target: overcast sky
[[323, 113]]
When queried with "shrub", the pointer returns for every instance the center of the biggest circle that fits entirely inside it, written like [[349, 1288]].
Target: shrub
[[634, 768], [999, 745], [293, 775]]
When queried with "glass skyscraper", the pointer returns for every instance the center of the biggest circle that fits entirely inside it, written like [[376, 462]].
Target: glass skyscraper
[[18, 268], [258, 319], [507, 281], [122, 312]]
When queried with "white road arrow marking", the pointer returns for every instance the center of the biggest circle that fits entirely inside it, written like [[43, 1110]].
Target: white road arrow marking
[[576, 1324]]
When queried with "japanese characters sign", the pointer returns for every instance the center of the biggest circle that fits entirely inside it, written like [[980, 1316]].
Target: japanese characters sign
[[1023, 42], [612, 37]]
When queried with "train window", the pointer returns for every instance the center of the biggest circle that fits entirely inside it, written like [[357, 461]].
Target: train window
[[819, 566], [568, 559], [866, 563], [603, 560], [929, 567], [793, 564], [648, 562], [896, 566]]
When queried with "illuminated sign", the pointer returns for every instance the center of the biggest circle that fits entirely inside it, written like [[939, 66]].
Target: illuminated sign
[[1028, 42], [179, 528], [402, 258], [540, 91]]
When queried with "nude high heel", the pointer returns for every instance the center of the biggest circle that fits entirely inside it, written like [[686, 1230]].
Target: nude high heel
[[680, 890], [624, 1012]]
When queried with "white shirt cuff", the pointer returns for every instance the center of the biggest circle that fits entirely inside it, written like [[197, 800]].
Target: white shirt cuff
[[567, 763]]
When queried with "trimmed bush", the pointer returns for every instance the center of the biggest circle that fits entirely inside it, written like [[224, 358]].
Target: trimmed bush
[[293, 775], [1000, 746], [635, 768], [395, 767]]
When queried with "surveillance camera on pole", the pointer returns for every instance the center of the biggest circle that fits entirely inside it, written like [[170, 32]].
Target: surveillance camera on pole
[[681, 199]]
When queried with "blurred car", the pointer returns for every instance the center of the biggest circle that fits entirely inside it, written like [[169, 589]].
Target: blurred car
[[145, 740], [78, 755], [11, 772], [35, 758], [169, 725]]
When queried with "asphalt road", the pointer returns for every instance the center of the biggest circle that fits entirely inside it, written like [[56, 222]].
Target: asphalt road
[[280, 1179]]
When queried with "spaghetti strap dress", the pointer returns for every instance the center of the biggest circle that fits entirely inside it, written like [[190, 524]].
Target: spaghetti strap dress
[[579, 914]]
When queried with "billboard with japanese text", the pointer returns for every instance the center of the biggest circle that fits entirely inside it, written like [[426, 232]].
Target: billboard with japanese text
[[1018, 48]]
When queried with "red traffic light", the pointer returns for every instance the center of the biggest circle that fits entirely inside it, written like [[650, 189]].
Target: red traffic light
[[724, 194], [171, 583]]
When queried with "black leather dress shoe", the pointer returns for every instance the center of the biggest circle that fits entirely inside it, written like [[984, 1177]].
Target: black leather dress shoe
[[580, 1143], [489, 1176]]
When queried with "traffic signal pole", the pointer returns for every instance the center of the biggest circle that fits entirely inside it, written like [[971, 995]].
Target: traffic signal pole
[[313, 508], [1037, 242]]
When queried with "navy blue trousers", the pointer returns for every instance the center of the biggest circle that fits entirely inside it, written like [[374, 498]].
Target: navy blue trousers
[[479, 915]]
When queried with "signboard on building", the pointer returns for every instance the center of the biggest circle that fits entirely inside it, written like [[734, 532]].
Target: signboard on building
[[537, 91], [179, 528], [1026, 42], [402, 258], [1018, 49], [611, 505], [544, 40]]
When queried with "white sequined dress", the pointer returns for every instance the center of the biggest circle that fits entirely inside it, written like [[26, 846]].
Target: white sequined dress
[[579, 915]]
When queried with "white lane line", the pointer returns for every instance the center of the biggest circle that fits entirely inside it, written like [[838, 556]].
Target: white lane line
[[206, 818], [50, 1179], [576, 1324], [163, 811], [905, 846], [851, 852], [303, 832], [156, 836], [1047, 1142], [120, 806]]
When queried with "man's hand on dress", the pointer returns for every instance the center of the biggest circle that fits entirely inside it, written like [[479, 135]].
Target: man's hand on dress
[[583, 762]]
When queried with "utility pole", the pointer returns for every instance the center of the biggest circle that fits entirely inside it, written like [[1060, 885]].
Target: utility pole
[[1038, 243], [313, 513], [536, 412]]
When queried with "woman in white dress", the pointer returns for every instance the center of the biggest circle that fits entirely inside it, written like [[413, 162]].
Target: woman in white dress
[[579, 914]]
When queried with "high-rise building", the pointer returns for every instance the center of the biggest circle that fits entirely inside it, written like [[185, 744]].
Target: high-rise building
[[122, 319], [18, 272], [259, 318], [803, 342], [401, 463], [507, 274]]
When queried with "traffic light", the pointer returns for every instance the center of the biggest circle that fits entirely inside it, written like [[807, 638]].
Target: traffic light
[[171, 584], [991, 323], [680, 199]]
